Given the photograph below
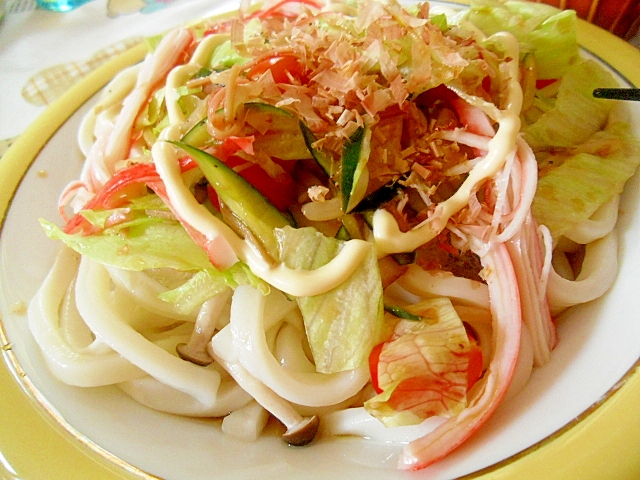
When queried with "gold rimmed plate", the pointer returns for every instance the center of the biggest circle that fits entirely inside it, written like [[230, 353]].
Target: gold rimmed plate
[[578, 417]]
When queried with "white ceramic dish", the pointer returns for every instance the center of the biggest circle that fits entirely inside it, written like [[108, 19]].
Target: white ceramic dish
[[598, 347]]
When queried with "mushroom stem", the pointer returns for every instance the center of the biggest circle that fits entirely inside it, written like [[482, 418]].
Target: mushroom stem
[[300, 430], [196, 350]]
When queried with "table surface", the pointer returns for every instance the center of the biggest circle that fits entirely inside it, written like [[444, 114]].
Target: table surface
[[43, 53]]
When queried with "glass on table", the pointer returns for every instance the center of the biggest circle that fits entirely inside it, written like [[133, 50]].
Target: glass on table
[[60, 5]]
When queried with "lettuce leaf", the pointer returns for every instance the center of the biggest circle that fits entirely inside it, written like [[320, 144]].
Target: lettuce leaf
[[545, 31], [145, 237], [344, 324], [139, 244], [576, 115], [570, 193], [207, 283], [422, 370]]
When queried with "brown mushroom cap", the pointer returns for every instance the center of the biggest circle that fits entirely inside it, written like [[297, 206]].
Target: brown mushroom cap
[[302, 433], [194, 355]]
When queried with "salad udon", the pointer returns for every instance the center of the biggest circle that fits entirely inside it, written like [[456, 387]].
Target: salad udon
[[340, 216]]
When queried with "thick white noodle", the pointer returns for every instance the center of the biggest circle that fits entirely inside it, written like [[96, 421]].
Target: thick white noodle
[[146, 290], [157, 395], [93, 298], [357, 421], [247, 335], [600, 224], [71, 365], [289, 351], [246, 423], [599, 271], [429, 284]]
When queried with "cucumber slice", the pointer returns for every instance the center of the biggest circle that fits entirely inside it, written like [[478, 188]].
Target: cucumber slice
[[355, 156], [244, 201], [323, 159], [198, 135]]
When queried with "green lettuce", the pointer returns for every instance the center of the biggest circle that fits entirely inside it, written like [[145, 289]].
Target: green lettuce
[[576, 114], [546, 32], [139, 244], [149, 239], [568, 194], [207, 283], [422, 369], [345, 323]]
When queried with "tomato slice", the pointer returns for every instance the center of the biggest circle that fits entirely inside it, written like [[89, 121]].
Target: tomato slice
[[474, 372], [279, 191], [283, 67], [374, 359], [540, 84]]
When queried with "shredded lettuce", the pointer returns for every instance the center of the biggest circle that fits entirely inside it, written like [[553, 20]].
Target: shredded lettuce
[[576, 115], [344, 324], [148, 238], [422, 370], [207, 283], [139, 245], [570, 193], [545, 31]]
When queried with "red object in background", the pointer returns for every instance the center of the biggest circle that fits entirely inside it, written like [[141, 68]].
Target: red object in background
[[620, 17]]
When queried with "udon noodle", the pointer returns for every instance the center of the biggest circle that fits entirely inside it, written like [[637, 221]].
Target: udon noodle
[[245, 349]]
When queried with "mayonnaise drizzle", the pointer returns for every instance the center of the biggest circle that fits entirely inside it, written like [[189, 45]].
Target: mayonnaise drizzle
[[298, 282], [179, 75], [294, 282], [387, 234]]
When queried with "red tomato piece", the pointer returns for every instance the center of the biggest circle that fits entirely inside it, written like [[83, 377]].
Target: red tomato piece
[[283, 66], [544, 83], [374, 359], [279, 191], [474, 372]]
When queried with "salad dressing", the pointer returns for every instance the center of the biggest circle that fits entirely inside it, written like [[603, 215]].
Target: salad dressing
[[388, 237], [296, 282]]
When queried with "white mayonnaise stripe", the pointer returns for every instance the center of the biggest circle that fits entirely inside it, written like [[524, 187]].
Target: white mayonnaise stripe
[[389, 238], [298, 282], [179, 76]]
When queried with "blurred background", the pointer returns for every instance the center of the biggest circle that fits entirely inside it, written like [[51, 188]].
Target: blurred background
[[620, 17]]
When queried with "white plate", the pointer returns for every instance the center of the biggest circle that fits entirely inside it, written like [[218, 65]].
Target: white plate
[[598, 346]]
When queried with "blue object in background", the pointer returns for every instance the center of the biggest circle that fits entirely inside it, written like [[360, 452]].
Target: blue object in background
[[60, 5]]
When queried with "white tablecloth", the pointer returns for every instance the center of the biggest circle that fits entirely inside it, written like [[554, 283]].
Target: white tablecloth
[[42, 52]]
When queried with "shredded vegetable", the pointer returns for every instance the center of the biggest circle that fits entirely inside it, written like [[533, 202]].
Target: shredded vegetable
[[354, 208]]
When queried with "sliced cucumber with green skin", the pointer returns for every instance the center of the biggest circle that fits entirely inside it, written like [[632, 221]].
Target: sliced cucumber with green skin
[[268, 108], [355, 155], [324, 160], [284, 140], [382, 195], [244, 201], [350, 228], [404, 258], [198, 135]]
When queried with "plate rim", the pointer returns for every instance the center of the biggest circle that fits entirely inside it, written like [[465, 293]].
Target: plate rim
[[583, 434]]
